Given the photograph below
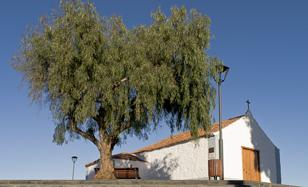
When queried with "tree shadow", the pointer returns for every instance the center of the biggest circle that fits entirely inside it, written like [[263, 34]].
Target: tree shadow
[[161, 168]]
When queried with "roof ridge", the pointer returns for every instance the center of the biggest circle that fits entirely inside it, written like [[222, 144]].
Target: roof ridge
[[133, 157], [236, 117], [186, 136]]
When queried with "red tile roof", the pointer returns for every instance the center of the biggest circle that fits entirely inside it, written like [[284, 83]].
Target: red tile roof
[[127, 156], [185, 136], [123, 156]]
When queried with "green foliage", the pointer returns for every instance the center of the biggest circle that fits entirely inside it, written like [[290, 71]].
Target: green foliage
[[103, 80]]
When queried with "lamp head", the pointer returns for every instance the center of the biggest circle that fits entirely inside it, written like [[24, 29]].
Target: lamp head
[[223, 70], [74, 158]]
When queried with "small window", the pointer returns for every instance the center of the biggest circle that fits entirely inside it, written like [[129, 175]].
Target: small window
[[211, 150]]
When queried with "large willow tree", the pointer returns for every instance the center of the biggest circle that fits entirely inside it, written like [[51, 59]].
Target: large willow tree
[[104, 81]]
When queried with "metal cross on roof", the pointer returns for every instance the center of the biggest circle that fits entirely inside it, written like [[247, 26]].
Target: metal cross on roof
[[248, 104]]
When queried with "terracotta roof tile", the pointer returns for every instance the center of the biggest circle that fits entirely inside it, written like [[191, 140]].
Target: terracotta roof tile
[[184, 136], [123, 156], [127, 156], [92, 163]]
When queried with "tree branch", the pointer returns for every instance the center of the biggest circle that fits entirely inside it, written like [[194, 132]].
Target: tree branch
[[124, 126], [90, 136]]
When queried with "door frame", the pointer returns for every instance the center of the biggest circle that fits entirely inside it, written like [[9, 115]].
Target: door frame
[[259, 164]]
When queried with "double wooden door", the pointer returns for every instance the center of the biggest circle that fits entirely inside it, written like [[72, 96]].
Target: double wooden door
[[251, 164]]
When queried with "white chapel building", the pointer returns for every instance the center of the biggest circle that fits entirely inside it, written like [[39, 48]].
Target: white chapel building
[[249, 154]]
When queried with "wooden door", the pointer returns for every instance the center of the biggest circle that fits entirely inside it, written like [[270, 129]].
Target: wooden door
[[251, 164]]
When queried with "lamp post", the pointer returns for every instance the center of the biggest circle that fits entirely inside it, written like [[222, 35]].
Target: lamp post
[[223, 71], [74, 159]]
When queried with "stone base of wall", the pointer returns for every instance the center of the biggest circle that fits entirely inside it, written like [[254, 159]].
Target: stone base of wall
[[133, 183]]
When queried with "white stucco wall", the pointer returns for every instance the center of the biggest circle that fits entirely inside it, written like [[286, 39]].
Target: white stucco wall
[[246, 132], [189, 160], [90, 172], [186, 160]]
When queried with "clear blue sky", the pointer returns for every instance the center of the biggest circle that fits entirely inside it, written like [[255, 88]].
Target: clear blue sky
[[265, 44]]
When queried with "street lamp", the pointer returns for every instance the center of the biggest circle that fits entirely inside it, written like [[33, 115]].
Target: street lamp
[[74, 159], [223, 71]]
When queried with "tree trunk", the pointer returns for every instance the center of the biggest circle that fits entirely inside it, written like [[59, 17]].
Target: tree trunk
[[106, 163]]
